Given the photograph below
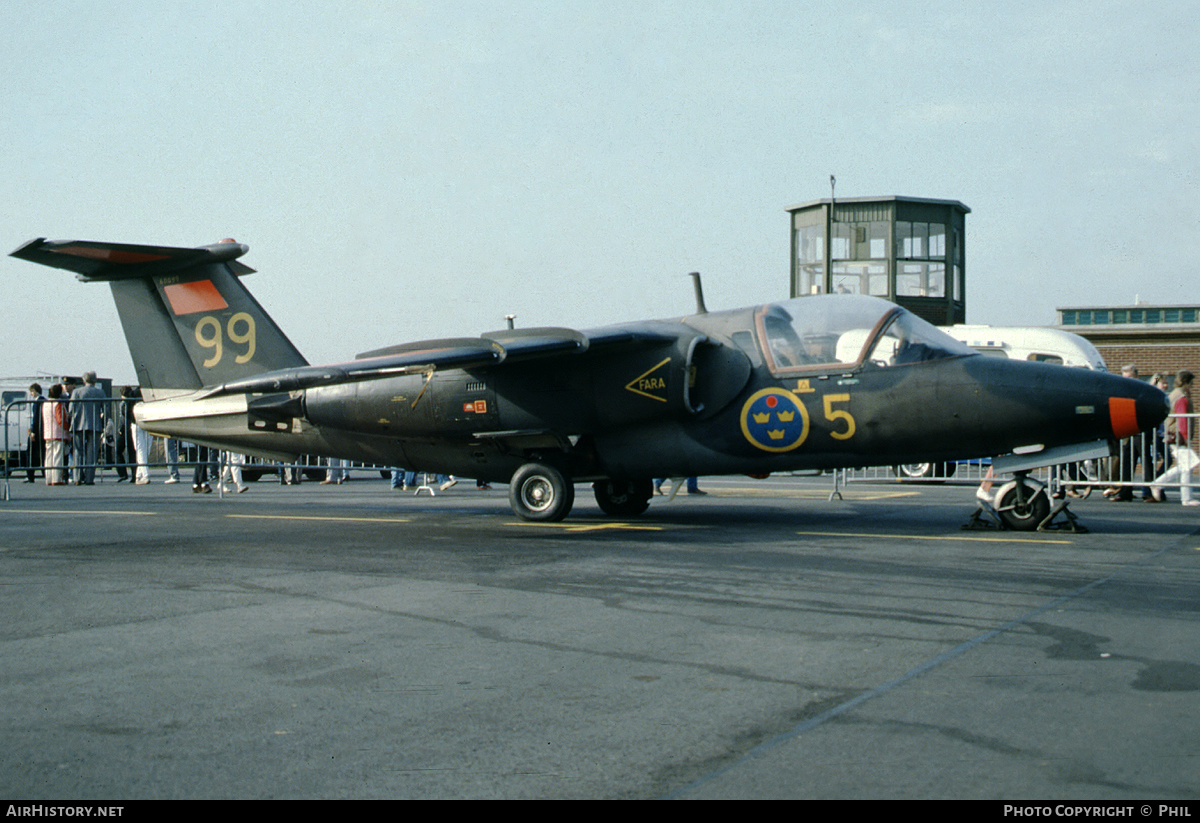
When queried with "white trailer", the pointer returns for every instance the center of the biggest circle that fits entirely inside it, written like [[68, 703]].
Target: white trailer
[[1030, 343]]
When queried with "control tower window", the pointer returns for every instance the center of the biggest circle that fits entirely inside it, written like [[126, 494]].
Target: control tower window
[[916, 279], [920, 241], [860, 278], [859, 240], [810, 259]]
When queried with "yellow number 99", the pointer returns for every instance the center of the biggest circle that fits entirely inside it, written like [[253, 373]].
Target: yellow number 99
[[241, 331]]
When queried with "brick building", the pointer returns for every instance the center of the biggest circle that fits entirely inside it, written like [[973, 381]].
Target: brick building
[[1154, 338]]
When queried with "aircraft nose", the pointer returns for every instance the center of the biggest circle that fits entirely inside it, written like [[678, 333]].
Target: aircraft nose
[[1142, 408]]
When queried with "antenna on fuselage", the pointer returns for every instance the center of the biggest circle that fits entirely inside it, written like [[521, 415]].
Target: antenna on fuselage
[[700, 309]]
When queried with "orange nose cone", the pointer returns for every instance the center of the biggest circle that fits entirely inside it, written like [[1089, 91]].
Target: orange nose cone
[[1122, 411]]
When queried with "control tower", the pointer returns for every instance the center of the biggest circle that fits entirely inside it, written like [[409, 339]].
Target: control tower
[[909, 250]]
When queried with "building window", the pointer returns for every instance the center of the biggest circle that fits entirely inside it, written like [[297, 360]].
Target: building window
[[859, 240], [877, 240], [937, 240], [839, 243], [810, 259], [810, 244], [812, 279], [921, 279], [920, 241], [860, 278]]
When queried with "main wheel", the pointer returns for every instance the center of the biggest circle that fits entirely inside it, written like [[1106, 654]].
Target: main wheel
[[541, 493], [623, 498], [1023, 508], [924, 471]]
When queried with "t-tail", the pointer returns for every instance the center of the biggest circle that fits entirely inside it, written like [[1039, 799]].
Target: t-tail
[[188, 320]]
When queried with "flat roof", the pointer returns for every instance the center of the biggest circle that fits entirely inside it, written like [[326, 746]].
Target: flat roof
[[1131, 307], [894, 198]]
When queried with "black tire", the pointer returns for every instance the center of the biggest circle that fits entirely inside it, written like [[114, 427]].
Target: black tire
[[540, 493], [623, 498], [925, 471], [1023, 508]]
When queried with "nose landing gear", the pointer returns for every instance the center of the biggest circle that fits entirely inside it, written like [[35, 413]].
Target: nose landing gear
[[1022, 504]]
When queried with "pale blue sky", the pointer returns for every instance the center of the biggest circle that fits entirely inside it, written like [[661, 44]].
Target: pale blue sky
[[403, 170]]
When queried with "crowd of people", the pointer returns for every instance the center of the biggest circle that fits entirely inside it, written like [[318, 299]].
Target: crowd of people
[[74, 428], [1166, 455], [66, 430]]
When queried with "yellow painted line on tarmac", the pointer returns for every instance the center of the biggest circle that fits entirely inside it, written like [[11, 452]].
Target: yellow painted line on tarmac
[[590, 527], [966, 538], [82, 512], [814, 494], [313, 517]]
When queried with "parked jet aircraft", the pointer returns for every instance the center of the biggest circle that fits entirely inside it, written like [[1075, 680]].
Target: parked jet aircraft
[[815, 382]]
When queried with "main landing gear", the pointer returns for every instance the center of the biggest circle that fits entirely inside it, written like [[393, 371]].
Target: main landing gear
[[623, 498], [541, 492]]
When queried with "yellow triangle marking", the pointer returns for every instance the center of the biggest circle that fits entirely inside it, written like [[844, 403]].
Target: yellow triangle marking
[[641, 388]]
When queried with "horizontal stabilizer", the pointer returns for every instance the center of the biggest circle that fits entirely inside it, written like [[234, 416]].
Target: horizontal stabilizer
[[93, 261]]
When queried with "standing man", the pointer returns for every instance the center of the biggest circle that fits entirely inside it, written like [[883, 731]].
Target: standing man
[[87, 426], [35, 430], [124, 453]]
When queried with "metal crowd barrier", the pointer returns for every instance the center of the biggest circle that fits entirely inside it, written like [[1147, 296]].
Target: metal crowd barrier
[[18, 461], [1136, 463]]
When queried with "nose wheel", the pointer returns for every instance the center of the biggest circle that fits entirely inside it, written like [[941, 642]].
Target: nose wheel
[[1022, 507], [1022, 504]]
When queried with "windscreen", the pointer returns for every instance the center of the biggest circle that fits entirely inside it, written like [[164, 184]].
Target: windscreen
[[909, 339], [813, 333]]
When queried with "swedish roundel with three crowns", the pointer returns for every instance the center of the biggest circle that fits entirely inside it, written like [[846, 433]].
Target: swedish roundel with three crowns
[[774, 420]]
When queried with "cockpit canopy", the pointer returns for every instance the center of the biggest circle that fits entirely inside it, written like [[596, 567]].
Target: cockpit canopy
[[813, 334]]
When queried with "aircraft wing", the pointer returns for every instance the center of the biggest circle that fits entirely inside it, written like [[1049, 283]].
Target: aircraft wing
[[489, 350]]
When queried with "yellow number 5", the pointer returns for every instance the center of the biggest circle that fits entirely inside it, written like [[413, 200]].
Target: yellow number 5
[[834, 416]]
